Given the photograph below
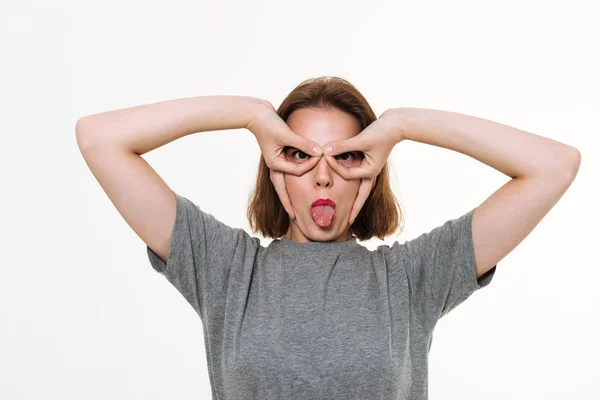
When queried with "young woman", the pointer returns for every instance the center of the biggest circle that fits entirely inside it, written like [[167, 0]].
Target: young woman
[[316, 315]]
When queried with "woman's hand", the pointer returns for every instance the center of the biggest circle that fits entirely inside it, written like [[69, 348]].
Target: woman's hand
[[273, 135], [376, 142]]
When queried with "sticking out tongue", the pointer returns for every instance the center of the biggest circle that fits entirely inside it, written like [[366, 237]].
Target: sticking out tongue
[[322, 215]]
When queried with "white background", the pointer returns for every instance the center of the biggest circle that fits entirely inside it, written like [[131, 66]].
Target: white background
[[84, 316]]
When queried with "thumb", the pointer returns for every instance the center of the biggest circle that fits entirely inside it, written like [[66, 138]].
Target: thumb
[[356, 143]]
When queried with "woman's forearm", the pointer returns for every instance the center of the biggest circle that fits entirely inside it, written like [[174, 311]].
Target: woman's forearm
[[514, 152], [147, 127]]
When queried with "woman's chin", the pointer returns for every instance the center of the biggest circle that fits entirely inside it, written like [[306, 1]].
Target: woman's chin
[[323, 234]]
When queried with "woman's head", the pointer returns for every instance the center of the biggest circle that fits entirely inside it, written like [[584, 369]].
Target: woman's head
[[325, 110]]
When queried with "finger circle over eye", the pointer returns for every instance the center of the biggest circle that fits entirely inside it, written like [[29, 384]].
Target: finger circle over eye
[[337, 167]]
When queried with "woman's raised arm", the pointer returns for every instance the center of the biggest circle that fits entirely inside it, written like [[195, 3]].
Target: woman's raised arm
[[112, 144], [147, 127]]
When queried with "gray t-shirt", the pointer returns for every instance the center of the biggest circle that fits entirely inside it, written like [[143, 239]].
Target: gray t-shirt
[[317, 320]]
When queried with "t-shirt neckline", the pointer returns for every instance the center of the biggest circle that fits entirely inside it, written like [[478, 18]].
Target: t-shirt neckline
[[345, 245]]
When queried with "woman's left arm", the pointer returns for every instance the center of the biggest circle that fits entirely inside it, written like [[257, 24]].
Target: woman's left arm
[[542, 170]]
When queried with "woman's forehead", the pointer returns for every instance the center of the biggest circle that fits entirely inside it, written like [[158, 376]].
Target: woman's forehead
[[323, 125]]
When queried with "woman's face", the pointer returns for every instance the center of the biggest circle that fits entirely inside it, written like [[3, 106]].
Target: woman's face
[[321, 182]]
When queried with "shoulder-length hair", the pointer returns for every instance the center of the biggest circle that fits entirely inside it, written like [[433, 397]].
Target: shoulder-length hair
[[380, 215]]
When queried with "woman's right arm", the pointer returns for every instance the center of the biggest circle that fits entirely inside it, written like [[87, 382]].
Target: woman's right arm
[[144, 128], [112, 143]]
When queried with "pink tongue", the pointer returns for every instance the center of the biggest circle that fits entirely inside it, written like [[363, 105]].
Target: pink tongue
[[322, 215]]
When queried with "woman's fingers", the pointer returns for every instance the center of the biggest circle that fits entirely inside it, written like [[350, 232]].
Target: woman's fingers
[[290, 167], [357, 143], [278, 180], [307, 146], [337, 167], [289, 138], [363, 193]]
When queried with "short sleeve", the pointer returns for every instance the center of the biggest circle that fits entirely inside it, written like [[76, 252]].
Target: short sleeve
[[203, 252], [440, 268]]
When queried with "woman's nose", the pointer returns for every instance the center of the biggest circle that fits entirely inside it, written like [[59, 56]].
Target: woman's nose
[[323, 183], [323, 174]]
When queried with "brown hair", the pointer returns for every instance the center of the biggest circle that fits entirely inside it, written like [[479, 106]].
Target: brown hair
[[380, 215]]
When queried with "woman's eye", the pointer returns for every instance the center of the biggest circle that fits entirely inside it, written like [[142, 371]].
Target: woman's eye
[[347, 157], [303, 156]]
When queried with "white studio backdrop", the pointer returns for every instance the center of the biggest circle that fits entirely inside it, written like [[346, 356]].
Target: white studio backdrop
[[84, 315]]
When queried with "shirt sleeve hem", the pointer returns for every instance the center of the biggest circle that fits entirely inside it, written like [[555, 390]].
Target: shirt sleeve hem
[[469, 269], [176, 238]]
